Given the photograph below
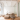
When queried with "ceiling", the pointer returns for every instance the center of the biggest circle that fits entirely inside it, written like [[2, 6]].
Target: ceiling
[[8, 0]]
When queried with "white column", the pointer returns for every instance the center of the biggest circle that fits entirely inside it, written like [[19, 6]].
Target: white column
[[17, 9], [2, 9]]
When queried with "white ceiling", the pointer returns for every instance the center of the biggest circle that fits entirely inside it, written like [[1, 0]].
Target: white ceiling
[[8, 0]]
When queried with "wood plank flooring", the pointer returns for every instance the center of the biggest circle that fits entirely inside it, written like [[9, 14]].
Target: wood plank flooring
[[2, 18]]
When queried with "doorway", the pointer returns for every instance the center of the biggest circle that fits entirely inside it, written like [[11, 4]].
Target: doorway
[[19, 9]]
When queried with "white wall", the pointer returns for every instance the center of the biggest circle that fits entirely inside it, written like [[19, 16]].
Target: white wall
[[8, 6], [9, 9]]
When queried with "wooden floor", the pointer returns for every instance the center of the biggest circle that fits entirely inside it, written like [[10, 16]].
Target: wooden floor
[[14, 19], [2, 18]]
